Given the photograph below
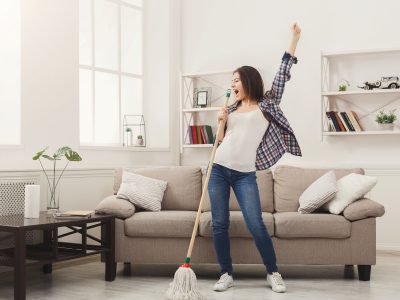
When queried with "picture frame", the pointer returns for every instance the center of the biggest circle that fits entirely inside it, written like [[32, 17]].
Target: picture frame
[[201, 97]]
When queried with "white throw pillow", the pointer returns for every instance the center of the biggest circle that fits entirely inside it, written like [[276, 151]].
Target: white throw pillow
[[318, 193], [351, 188], [142, 191]]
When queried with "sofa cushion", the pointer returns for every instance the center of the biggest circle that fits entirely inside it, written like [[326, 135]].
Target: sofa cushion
[[317, 225], [290, 182], [237, 226], [112, 205], [142, 191], [183, 191], [318, 193], [265, 187], [362, 209], [350, 188], [160, 224]]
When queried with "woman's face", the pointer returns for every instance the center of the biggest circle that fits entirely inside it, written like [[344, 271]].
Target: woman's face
[[237, 87]]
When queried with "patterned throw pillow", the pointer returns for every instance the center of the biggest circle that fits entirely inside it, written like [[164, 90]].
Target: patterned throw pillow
[[318, 193], [142, 191]]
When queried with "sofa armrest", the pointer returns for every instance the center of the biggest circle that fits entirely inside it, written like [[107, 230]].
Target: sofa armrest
[[121, 208], [362, 209]]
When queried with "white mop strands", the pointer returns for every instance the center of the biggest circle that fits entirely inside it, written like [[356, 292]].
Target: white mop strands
[[184, 286]]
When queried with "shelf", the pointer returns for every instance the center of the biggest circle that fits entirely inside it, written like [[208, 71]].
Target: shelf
[[370, 132], [198, 145], [361, 92], [359, 52], [201, 109]]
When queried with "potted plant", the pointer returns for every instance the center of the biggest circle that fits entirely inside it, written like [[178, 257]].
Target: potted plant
[[385, 120], [343, 85], [139, 140], [129, 138], [53, 204]]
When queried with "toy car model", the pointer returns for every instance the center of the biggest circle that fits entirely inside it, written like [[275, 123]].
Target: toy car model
[[391, 82]]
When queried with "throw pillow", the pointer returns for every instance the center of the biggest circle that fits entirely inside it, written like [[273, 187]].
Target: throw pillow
[[121, 208], [142, 191], [318, 193], [351, 188]]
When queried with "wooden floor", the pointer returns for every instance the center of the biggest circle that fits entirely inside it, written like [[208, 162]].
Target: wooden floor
[[85, 280]]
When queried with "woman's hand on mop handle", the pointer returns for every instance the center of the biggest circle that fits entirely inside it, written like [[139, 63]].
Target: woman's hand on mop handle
[[296, 32], [223, 114]]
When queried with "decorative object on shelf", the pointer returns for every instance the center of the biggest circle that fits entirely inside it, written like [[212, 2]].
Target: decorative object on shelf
[[391, 82], [53, 201], [139, 140], [385, 120], [129, 136], [134, 125], [343, 85], [201, 97]]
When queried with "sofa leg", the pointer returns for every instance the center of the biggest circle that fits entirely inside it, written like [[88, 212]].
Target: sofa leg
[[349, 271], [364, 272], [127, 269]]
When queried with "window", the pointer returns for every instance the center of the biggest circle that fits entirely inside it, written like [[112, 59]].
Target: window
[[10, 77], [110, 68]]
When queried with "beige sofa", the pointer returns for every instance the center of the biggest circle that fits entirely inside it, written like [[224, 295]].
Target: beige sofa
[[310, 239]]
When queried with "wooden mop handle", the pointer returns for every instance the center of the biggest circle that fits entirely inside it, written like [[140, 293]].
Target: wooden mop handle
[[196, 223]]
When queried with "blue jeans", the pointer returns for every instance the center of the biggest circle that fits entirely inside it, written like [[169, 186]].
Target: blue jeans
[[245, 186]]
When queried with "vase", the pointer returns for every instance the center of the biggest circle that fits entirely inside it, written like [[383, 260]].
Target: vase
[[386, 126], [53, 200], [129, 138]]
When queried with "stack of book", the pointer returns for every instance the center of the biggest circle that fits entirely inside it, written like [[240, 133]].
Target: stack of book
[[343, 121], [200, 134], [73, 214]]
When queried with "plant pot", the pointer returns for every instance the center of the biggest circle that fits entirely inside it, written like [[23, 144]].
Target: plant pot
[[139, 142], [386, 126]]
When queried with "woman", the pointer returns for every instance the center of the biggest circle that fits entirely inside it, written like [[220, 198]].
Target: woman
[[256, 135]]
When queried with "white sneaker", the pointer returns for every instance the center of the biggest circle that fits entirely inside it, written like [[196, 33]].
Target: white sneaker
[[225, 282], [276, 282]]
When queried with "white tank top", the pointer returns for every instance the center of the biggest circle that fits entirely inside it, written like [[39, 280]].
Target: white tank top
[[243, 135]]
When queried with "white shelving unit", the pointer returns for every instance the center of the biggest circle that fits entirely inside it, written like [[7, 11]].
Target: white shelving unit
[[357, 67], [219, 82]]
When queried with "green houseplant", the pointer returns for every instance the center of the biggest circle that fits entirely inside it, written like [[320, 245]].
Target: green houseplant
[[385, 120], [343, 85], [70, 155]]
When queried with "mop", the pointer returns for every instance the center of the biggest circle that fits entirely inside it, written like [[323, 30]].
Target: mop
[[184, 286]]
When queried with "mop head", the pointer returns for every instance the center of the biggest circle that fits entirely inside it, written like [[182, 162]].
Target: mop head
[[184, 286]]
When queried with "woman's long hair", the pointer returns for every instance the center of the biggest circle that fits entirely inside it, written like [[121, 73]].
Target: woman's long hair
[[252, 82]]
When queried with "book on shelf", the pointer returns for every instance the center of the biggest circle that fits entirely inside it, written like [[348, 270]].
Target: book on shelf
[[73, 214], [209, 134], [194, 133], [199, 139], [343, 121], [354, 119], [203, 135], [200, 134]]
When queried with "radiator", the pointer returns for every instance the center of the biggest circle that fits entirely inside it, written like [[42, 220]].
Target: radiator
[[12, 199]]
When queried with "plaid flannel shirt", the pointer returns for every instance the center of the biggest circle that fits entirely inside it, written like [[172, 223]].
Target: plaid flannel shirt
[[279, 136]]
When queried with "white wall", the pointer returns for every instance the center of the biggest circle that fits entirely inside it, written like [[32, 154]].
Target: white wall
[[225, 34]]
